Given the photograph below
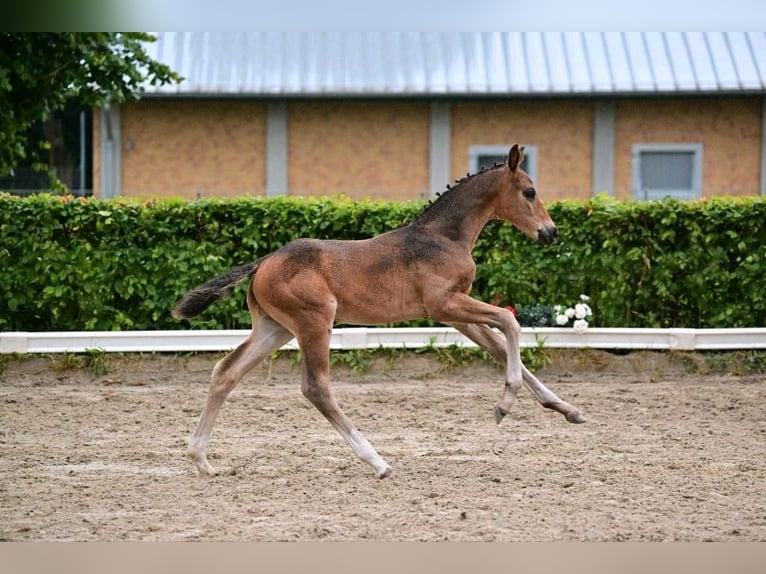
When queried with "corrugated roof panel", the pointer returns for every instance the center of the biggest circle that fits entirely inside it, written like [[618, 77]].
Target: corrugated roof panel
[[558, 67], [578, 62], [422, 63], [273, 66], [722, 62], [454, 64], [397, 68], [537, 62], [170, 50], [317, 62], [207, 62], [347, 82], [757, 43], [291, 50], [496, 65], [681, 65], [638, 60], [516, 55], [700, 57], [436, 77], [231, 77], [332, 80], [619, 66], [307, 59], [414, 66], [183, 46], [474, 62], [398, 65], [743, 60], [415, 63], [217, 75], [598, 64], [354, 64], [375, 63], [225, 79], [191, 66], [659, 61]]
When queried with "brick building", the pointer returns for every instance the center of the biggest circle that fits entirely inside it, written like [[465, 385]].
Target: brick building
[[400, 115]]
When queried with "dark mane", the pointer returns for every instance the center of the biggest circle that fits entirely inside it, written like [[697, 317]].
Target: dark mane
[[447, 195]]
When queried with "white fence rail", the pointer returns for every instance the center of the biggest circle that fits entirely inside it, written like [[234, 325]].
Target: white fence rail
[[373, 338]]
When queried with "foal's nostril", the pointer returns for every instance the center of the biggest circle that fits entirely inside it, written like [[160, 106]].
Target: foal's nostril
[[547, 235]]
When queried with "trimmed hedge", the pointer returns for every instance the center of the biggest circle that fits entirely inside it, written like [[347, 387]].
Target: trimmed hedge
[[87, 264]]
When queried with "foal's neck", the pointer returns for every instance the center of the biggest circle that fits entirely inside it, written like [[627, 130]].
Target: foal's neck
[[462, 212]]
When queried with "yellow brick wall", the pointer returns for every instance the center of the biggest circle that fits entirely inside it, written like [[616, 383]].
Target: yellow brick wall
[[186, 147], [379, 148], [728, 128], [364, 148], [561, 130]]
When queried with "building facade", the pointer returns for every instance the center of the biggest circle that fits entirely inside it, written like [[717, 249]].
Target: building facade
[[399, 115]]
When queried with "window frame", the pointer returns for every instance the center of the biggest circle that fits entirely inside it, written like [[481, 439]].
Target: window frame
[[641, 193], [474, 151]]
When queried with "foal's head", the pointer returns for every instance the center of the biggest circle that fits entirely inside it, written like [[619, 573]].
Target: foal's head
[[519, 202]]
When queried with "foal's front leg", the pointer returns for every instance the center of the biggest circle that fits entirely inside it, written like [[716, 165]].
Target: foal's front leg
[[492, 342], [461, 309]]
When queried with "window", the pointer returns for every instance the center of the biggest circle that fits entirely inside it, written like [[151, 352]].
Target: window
[[70, 155], [488, 155], [667, 170]]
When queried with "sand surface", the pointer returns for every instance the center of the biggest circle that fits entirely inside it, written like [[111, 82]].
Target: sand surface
[[666, 454]]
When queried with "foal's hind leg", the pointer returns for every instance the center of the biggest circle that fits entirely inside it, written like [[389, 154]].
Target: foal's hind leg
[[267, 336], [493, 343], [315, 345]]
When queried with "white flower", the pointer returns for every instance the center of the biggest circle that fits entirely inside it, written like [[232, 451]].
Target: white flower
[[577, 314], [582, 310], [580, 325]]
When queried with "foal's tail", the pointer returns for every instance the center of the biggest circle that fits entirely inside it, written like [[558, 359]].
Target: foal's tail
[[200, 298]]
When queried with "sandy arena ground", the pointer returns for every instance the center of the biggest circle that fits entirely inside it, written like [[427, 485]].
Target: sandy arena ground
[[666, 454]]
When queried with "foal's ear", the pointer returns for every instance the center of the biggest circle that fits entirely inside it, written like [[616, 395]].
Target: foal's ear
[[515, 156]]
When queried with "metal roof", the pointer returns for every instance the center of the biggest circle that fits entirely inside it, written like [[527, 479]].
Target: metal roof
[[455, 63]]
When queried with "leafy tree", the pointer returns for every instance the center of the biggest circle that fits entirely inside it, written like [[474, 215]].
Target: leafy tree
[[41, 72]]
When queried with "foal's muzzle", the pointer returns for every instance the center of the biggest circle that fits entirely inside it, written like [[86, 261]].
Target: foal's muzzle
[[547, 235]]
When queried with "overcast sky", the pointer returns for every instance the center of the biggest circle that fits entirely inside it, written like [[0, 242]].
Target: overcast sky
[[467, 15]]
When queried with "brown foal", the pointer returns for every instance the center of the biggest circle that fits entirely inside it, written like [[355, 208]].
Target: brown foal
[[423, 269]]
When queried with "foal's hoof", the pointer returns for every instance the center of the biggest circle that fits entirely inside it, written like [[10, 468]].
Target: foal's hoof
[[201, 464], [385, 473], [499, 414], [576, 418]]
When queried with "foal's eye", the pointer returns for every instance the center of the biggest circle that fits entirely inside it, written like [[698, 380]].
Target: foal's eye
[[529, 193]]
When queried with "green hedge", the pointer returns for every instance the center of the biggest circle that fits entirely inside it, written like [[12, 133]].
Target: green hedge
[[77, 264]]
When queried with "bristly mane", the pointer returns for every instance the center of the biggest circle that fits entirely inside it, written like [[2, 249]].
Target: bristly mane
[[454, 188]]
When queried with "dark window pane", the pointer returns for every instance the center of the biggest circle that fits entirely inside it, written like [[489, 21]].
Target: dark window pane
[[667, 170]]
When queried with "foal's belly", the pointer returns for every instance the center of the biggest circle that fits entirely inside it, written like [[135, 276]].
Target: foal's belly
[[377, 307]]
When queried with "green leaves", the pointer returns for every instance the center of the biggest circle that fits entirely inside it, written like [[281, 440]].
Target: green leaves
[[39, 72], [645, 264], [88, 264]]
